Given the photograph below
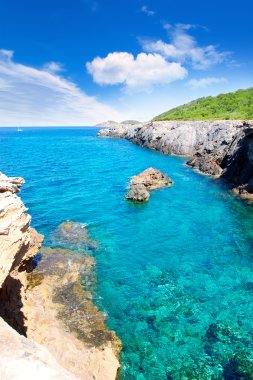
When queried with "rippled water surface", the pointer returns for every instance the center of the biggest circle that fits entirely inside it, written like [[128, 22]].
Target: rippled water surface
[[175, 275]]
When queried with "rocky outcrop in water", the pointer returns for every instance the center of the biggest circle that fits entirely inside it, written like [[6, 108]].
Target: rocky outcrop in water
[[218, 148], [146, 181], [47, 304]]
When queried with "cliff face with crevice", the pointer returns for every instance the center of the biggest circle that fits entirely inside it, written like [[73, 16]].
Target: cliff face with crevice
[[19, 244], [53, 330], [18, 240], [218, 148]]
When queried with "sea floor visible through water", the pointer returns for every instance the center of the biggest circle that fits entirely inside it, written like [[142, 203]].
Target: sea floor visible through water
[[174, 275]]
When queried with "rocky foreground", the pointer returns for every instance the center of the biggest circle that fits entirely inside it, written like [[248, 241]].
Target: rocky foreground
[[141, 184], [49, 327], [219, 148]]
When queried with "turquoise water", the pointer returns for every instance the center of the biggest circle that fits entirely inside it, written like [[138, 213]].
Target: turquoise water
[[175, 275]]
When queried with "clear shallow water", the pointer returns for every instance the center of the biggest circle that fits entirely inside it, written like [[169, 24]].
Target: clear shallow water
[[175, 275]]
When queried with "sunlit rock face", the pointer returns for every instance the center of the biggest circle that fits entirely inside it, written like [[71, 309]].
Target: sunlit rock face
[[11, 184], [150, 179], [19, 243], [17, 239], [182, 138], [23, 359], [50, 304]]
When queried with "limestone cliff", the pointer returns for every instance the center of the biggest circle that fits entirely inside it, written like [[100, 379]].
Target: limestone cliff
[[62, 335], [19, 243], [18, 240], [23, 359], [219, 148]]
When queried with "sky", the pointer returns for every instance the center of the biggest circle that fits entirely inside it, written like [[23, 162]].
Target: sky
[[80, 62]]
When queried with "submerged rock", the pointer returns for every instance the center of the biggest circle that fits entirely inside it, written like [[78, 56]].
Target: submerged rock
[[141, 184], [74, 236], [239, 367]]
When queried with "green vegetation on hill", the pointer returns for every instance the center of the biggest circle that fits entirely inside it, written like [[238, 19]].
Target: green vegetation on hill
[[232, 106]]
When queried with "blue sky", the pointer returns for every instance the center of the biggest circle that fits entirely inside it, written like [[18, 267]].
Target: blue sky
[[78, 62]]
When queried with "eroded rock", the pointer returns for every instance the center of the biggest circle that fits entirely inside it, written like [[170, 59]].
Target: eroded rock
[[49, 305], [146, 181], [138, 193], [18, 241], [62, 317], [12, 184], [23, 359]]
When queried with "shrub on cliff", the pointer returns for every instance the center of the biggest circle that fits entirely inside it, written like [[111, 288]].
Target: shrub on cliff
[[232, 106]]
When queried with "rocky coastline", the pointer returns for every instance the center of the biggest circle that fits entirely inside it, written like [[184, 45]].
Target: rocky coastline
[[49, 325], [223, 149]]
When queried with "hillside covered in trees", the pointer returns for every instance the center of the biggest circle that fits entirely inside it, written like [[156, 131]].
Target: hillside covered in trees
[[234, 105]]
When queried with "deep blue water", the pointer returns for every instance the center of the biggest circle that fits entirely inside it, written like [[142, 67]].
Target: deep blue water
[[175, 275]]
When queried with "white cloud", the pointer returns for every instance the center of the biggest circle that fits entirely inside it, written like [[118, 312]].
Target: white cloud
[[140, 73], [53, 67], [31, 97], [184, 48], [6, 54], [4, 84], [204, 82], [147, 11]]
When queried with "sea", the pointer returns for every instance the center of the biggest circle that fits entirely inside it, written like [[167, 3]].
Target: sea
[[174, 275]]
